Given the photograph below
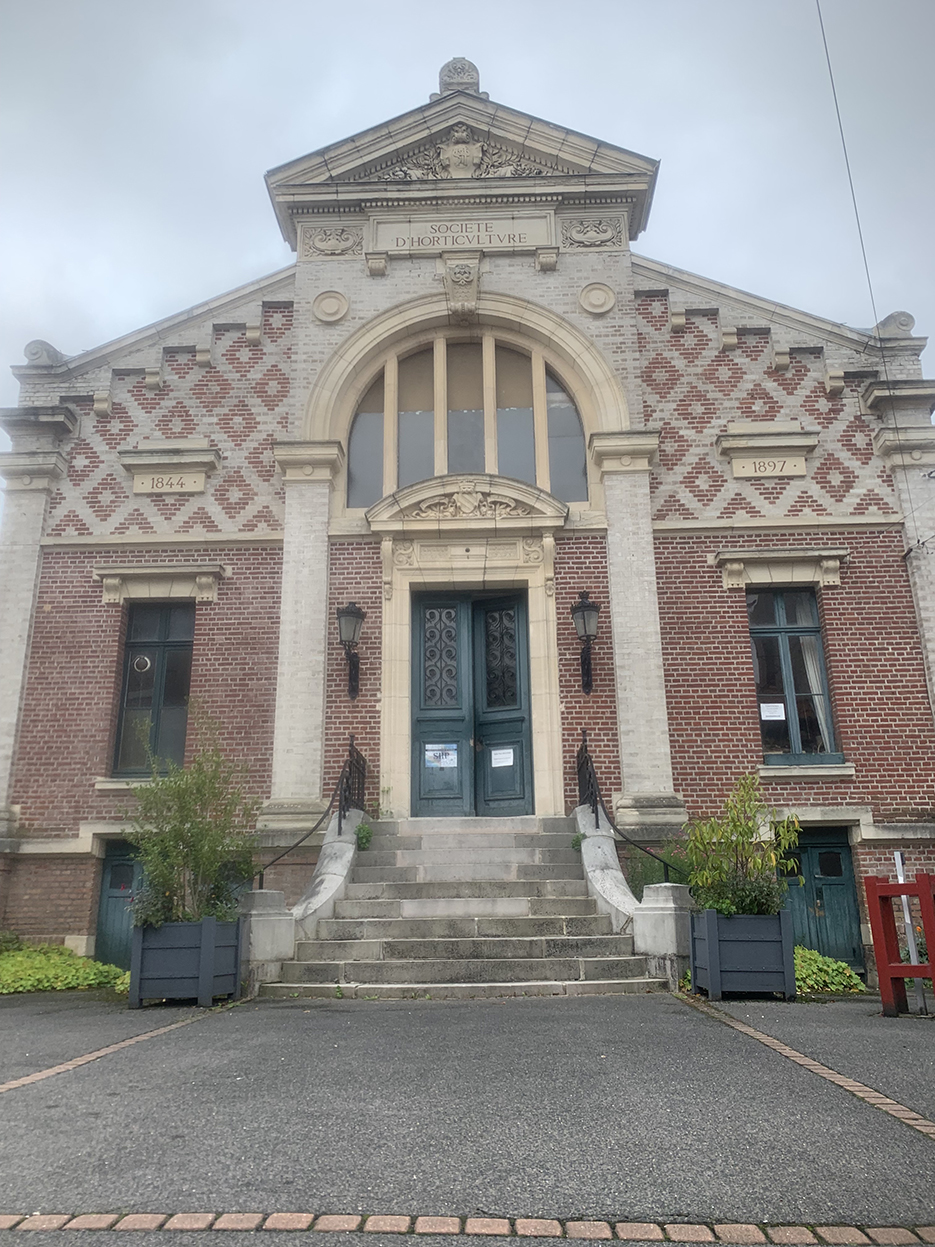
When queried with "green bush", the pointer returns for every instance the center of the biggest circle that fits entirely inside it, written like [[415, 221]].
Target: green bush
[[815, 973], [735, 855], [364, 834], [641, 870], [10, 943], [51, 967]]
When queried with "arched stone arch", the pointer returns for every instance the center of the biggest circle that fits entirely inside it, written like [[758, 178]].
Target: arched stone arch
[[581, 366]]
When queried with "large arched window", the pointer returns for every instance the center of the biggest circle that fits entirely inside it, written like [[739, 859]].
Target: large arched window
[[465, 406]]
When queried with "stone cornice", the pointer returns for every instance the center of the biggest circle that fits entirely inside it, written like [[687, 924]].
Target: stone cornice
[[194, 455], [812, 565], [305, 462], [880, 398], [46, 422], [633, 450], [754, 437], [912, 447], [139, 582], [31, 470]]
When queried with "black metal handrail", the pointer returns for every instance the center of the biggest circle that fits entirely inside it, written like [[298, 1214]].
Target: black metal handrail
[[348, 793], [589, 793]]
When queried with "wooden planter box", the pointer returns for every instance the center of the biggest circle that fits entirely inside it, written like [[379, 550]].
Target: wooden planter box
[[744, 953], [185, 960]]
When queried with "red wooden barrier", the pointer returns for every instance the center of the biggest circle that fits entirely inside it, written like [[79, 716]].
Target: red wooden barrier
[[892, 971]]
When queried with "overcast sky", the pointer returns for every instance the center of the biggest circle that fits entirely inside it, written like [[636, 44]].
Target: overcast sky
[[136, 133]]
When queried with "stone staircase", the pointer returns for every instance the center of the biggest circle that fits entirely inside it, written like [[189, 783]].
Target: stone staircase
[[444, 908]]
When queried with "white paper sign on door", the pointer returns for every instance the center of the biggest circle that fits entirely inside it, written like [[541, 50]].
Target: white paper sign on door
[[501, 757]]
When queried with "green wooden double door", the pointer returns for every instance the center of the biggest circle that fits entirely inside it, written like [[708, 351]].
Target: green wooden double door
[[471, 727], [824, 905]]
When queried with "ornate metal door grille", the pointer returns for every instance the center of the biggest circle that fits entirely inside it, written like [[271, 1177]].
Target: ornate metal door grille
[[441, 656], [500, 657]]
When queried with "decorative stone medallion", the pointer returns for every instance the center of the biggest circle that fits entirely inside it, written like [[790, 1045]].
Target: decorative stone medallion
[[589, 232], [330, 306], [597, 298], [326, 241]]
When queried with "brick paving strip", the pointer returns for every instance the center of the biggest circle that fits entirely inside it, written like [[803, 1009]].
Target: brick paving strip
[[906, 1115], [737, 1235]]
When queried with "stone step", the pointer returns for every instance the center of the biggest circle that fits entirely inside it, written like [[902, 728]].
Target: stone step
[[384, 842], [468, 907], [385, 890], [453, 872], [471, 949], [459, 991], [500, 854], [472, 826], [465, 970], [455, 928]]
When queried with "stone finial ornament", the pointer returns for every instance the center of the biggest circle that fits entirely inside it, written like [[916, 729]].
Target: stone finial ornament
[[41, 354], [459, 74], [896, 325]]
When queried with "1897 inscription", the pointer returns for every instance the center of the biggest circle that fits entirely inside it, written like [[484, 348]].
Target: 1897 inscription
[[492, 232]]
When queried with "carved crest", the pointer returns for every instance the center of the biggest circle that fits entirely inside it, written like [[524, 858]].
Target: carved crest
[[592, 232], [332, 240], [462, 154], [467, 501]]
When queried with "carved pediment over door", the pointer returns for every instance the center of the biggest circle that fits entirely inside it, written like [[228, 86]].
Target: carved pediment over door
[[476, 503]]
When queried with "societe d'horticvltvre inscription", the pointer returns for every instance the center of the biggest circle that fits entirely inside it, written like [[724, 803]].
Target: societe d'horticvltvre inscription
[[492, 231]]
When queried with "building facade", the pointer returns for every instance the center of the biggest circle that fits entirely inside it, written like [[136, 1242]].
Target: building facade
[[466, 403]]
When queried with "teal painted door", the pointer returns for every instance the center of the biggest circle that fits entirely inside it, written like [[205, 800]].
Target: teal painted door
[[120, 876], [824, 906], [471, 731]]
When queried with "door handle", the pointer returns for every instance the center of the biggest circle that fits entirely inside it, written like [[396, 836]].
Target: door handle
[[478, 746], [819, 902]]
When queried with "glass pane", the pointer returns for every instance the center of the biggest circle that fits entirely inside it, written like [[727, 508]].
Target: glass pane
[[830, 865], [121, 877], [134, 739], [465, 408], [440, 656], [500, 657], [516, 448], [567, 467], [170, 747], [811, 701], [416, 446], [373, 400], [141, 672], [365, 459], [417, 382], [761, 609], [801, 608], [178, 677], [181, 623], [767, 669], [145, 623]]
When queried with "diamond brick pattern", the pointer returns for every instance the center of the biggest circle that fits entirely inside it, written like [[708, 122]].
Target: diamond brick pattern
[[692, 388], [239, 403]]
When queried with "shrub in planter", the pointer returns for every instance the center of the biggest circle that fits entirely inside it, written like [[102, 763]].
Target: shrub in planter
[[193, 831], [742, 939]]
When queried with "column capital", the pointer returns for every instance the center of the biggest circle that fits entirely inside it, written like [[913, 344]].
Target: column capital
[[900, 399], [912, 446], [304, 462], [631, 450], [47, 423], [32, 470]]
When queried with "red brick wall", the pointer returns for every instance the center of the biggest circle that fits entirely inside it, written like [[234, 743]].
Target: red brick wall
[[51, 897], [880, 703], [355, 576], [581, 563], [75, 669]]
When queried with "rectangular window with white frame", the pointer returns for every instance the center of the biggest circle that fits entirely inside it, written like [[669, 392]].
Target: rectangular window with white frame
[[156, 680], [791, 682]]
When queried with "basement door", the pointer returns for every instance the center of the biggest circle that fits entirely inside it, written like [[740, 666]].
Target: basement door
[[120, 878], [471, 729], [824, 906]]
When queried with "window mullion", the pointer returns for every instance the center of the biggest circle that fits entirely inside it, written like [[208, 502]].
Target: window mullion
[[540, 419], [390, 424], [441, 406], [490, 404]]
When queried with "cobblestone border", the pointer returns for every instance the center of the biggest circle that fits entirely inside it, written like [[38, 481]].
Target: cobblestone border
[[908, 1116], [737, 1234]]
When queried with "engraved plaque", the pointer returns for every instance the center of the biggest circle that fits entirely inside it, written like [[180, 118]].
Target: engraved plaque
[[168, 482], [490, 231], [769, 465]]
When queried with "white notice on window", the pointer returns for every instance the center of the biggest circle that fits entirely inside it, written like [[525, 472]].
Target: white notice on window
[[441, 755], [501, 757], [772, 710]]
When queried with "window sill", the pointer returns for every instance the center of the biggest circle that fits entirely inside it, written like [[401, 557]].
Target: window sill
[[103, 784], [841, 770]]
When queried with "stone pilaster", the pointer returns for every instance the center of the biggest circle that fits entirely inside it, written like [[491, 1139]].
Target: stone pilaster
[[647, 807], [28, 472], [296, 799], [905, 440]]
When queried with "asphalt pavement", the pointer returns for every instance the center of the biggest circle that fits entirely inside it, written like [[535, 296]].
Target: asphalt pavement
[[634, 1108]]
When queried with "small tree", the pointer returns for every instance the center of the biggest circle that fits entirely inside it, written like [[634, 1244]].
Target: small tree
[[738, 858], [193, 828]]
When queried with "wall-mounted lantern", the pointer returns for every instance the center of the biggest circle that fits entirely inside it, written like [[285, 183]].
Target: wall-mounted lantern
[[350, 621], [584, 613]]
